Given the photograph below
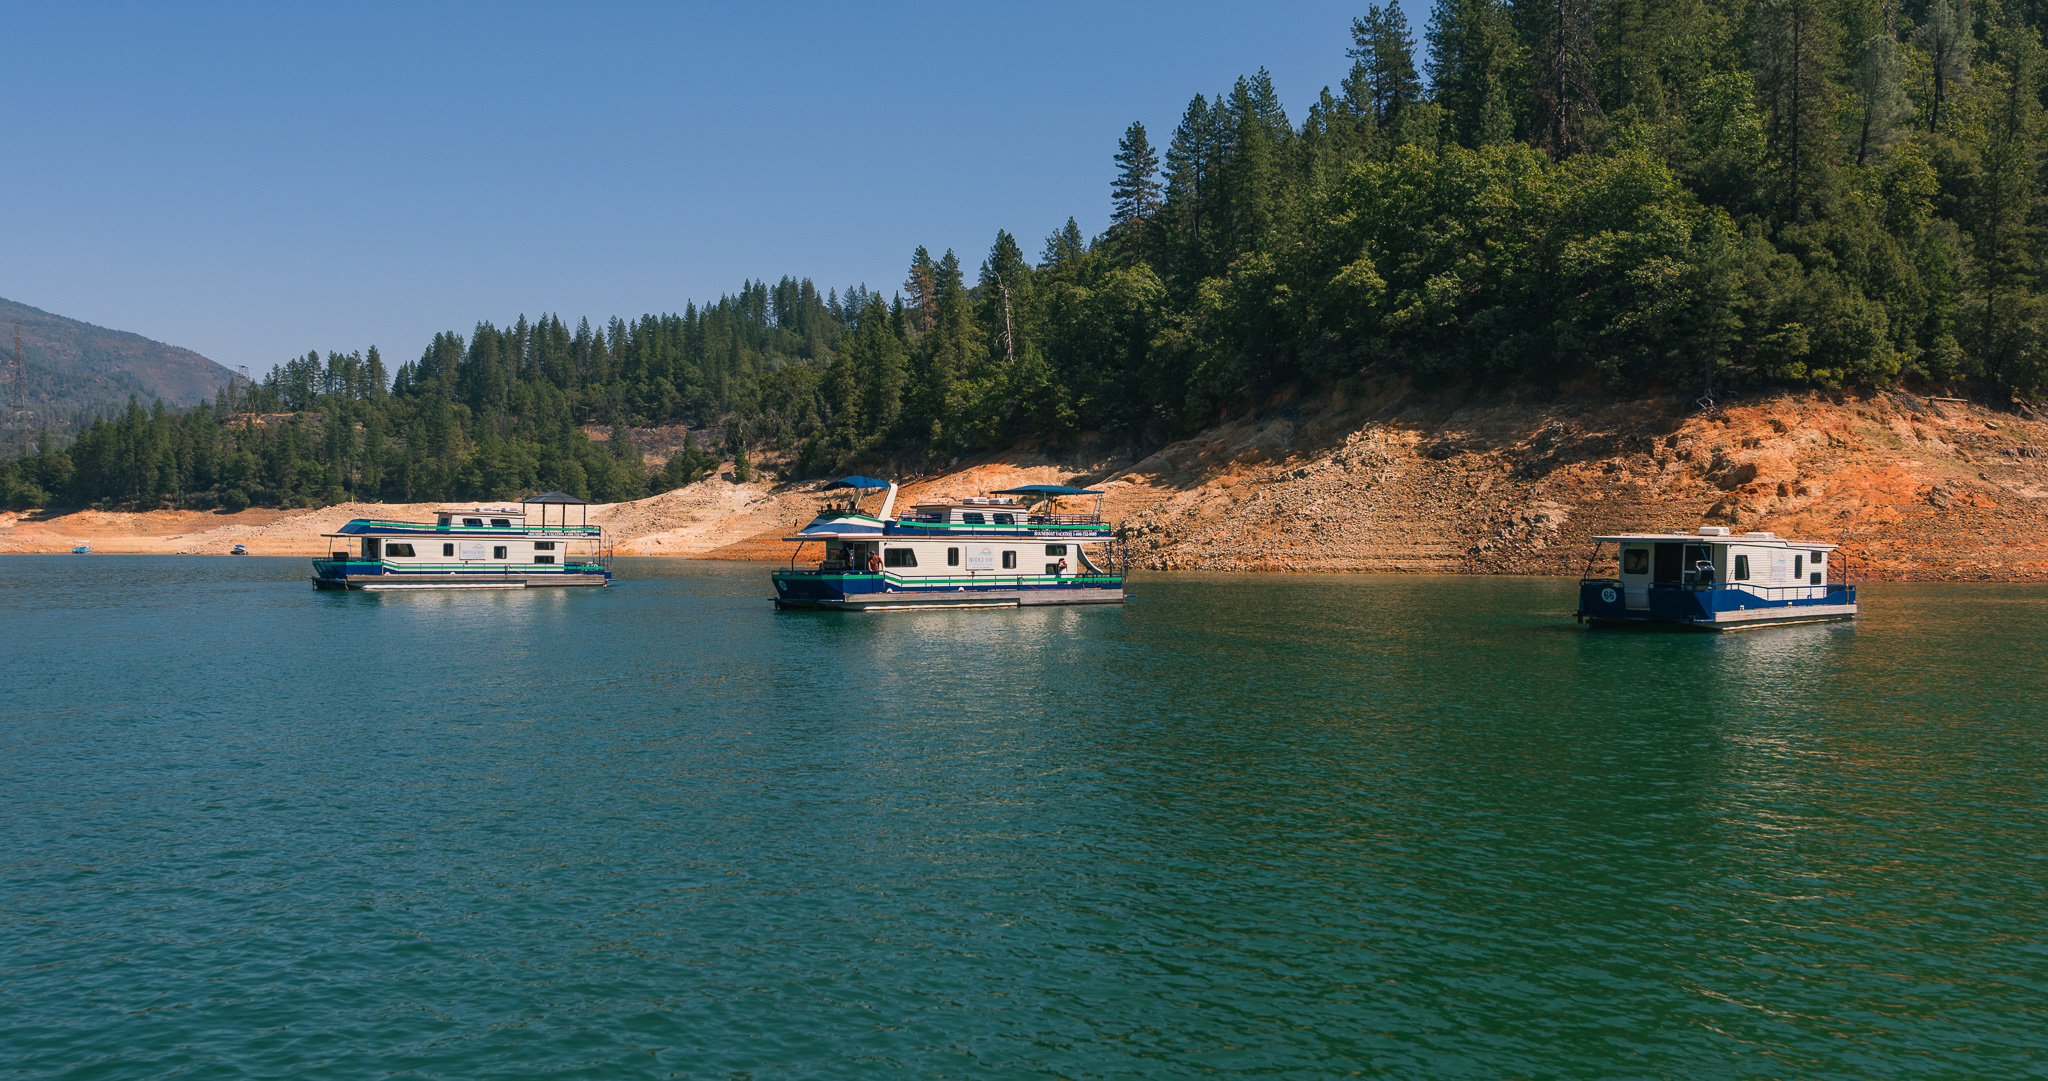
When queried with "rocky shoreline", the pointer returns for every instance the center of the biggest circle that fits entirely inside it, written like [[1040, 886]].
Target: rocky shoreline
[[1912, 487]]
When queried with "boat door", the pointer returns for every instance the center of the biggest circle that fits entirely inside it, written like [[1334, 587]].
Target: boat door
[[1635, 575], [1668, 566], [373, 549]]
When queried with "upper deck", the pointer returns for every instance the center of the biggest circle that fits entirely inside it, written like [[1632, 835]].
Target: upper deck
[[503, 520], [1000, 515]]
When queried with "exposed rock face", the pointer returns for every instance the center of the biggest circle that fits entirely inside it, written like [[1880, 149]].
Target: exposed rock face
[[1912, 487]]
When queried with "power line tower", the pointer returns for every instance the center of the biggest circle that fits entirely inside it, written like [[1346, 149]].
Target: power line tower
[[17, 398]]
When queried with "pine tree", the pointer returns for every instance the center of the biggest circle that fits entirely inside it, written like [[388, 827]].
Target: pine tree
[[1946, 39], [1473, 52], [1878, 80], [1793, 43], [1190, 162], [1382, 81], [1564, 93], [1134, 194]]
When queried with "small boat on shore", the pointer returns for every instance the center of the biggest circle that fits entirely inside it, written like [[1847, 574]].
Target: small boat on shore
[[83, 549], [1008, 549], [238, 550], [483, 547], [1716, 581]]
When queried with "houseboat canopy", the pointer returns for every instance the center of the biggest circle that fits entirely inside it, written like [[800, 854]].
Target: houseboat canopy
[[1047, 489], [556, 497], [1721, 535], [855, 482]]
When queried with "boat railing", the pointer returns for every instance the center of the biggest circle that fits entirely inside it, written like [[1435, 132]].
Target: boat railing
[[1781, 593], [1804, 591], [1066, 519]]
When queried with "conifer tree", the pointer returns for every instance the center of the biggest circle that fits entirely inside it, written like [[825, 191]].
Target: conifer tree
[[1881, 95], [1382, 80], [1190, 161], [1794, 43], [1564, 94], [1473, 52], [1134, 194], [1945, 38]]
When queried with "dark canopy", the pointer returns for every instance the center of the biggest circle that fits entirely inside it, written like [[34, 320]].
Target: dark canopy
[[1047, 489], [556, 497], [856, 482]]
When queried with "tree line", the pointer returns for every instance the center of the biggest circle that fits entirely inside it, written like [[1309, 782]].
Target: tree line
[[1653, 195]]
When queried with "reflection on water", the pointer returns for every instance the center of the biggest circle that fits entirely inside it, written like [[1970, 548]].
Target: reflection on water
[[1297, 825]]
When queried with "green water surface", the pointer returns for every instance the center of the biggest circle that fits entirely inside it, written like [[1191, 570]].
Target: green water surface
[[1275, 826]]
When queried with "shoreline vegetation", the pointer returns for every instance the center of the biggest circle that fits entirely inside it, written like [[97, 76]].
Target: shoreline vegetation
[[1589, 203]]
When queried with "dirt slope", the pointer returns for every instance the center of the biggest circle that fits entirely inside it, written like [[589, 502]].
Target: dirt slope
[[1912, 487]]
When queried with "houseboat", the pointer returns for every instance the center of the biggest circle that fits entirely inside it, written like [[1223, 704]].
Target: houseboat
[[484, 547], [1007, 549], [1715, 580]]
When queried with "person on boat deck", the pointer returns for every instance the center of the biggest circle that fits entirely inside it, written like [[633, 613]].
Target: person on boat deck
[[874, 561]]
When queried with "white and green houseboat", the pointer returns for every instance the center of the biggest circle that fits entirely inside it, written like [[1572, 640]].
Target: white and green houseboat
[[1007, 549], [482, 547]]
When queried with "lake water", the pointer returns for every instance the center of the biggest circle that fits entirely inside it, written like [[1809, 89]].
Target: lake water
[[1282, 826]]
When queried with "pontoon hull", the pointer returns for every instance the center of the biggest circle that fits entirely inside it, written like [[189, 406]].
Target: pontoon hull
[[874, 592], [1602, 604]]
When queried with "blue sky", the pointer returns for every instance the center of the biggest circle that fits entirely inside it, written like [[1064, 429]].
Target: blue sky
[[253, 182]]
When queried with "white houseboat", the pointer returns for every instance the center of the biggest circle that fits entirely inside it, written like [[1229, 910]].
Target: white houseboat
[[1003, 550], [1715, 580], [485, 547]]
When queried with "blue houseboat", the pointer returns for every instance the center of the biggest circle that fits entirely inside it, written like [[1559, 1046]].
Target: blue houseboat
[[471, 548], [1004, 550], [1715, 581]]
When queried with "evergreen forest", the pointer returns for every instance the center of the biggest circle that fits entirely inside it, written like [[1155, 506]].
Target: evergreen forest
[[1647, 196]]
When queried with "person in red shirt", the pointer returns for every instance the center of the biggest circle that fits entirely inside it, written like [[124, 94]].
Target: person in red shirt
[[874, 562]]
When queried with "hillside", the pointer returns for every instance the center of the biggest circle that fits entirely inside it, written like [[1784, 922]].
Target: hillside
[[1914, 488], [73, 365]]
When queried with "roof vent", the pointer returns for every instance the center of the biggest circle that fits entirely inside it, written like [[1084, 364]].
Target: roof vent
[[1713, 531], [1755, 534]]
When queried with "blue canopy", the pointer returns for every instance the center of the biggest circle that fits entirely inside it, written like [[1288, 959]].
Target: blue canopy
[[1046, 489], [856, 482]]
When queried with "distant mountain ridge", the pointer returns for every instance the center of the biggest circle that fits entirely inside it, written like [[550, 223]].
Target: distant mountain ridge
[[74, 366]]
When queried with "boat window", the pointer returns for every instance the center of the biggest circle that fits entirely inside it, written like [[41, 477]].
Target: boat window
[[543, 559], [972, 517], [1742, 568], [402, 551], [952, 557], [1006, 519], [898, 557], [1798, 565], [1635, 561], [543, 546], [472, 521], [1009, 561], [502, 523], [498, 551], [1055, 549], [447, 549], [1819, 558], [1813, 578]]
